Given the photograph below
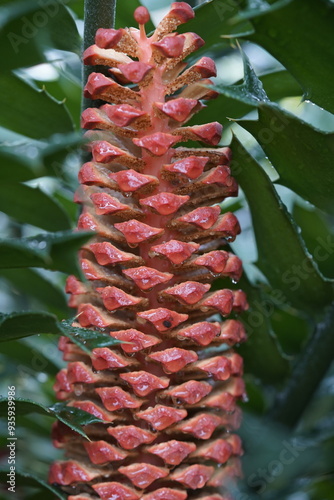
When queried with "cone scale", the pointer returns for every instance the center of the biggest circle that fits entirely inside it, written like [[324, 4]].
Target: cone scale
[[168, 392]]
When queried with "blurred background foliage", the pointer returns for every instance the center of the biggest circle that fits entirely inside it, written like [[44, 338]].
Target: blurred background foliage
[[275, 78]]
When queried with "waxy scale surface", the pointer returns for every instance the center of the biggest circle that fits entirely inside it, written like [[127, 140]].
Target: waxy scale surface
[[168, 403]]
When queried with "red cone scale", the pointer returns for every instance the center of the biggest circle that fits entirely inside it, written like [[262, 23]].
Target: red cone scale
[[168, 393]]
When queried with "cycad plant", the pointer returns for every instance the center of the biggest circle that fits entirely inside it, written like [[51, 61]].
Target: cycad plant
[[145, 181]]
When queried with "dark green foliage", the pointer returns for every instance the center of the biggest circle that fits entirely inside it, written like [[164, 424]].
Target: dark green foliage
[[281, 252], [28, 28], [24, 204], [307, 24], [283, 160], [70, 416], [86, 339], [19, 325], [34, 482], [263, 354], [54, 251], [31, 112]]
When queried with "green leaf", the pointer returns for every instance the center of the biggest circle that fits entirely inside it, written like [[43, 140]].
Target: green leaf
[[28, 159], [30, 112], [301, 36], [216, 18], [321, 488], [33, 284], [301, 154], [64, 249], [249, 92], [280, 84], [86, 339], [67, 87], [277, 85], [57, 149], [77, 7], [309, 371], [24, 324], [32, 206], [71, 208], [30, 480], [282, 255], [287, 320], [262, 354], [27, 356], [16, 167], [318, 236], [18, 325], [10, 10], [292, 145], [30, 27], [260, 7], [255, 397], [39, 495], [73, 417], [54, 251]]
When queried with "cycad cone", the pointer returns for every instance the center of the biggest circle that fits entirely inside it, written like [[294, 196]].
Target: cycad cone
[[167, 395]]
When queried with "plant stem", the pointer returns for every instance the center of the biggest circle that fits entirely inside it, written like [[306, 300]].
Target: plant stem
[[307, 373], [98, 14]]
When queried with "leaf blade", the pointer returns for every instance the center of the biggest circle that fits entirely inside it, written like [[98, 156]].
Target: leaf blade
[[35, 285], [293, 147], [277, 85], [84, 338], [15, 326], [54, 251], [311, 23], [220, 15], [262, 352], [24, 204], [281, 250], [25, 324], [29, 357], [31, 112], [30, 27], [73, 417], [26, 479]]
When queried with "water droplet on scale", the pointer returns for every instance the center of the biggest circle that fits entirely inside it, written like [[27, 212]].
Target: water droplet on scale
[[78, 390], [177, 401]]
